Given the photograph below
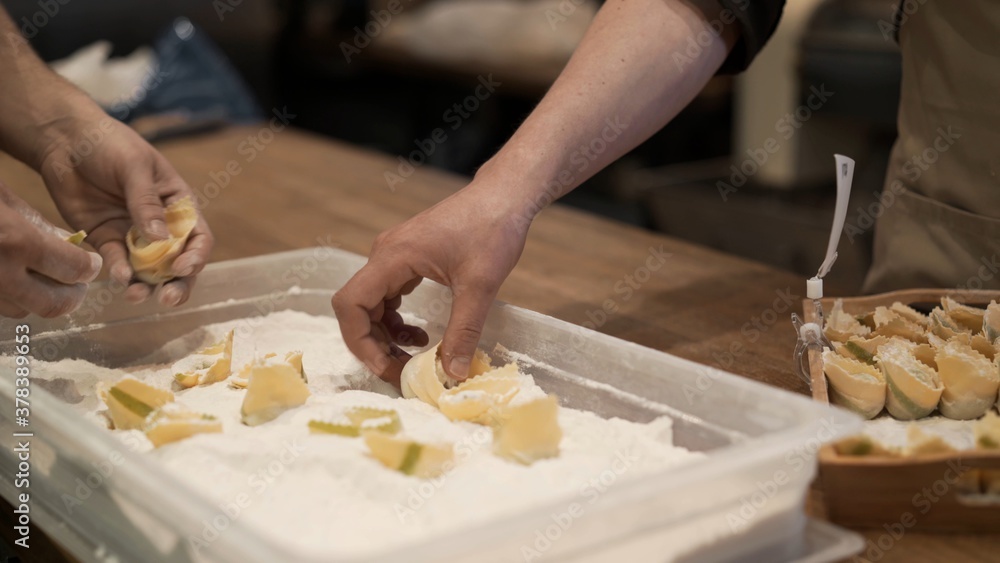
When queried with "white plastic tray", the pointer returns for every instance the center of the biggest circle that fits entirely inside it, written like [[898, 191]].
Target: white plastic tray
[[715, 509]]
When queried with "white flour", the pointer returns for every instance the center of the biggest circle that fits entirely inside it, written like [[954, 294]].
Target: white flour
[[323, 496]]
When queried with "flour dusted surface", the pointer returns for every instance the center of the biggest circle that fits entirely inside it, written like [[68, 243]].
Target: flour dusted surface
[[322, 495]]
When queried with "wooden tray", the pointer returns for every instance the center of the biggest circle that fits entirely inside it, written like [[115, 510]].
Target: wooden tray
[[929, 493]]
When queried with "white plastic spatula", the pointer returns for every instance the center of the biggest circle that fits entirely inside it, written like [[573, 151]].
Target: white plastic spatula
[[811, 334], [845, 177]]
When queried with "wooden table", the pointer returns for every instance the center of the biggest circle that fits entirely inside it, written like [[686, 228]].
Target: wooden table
[[300, 190]]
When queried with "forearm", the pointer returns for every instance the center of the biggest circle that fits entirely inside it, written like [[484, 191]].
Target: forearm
[[35, 103], [632, 73]]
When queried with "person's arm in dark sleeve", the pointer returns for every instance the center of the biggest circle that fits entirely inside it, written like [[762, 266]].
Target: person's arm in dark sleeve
[[757, 20], [634, 70]]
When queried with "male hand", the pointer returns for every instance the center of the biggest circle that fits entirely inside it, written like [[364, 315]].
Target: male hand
[[468, 242], [103, 178], [41, 272]]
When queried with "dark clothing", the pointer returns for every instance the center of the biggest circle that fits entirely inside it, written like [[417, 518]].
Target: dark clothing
[[939, 223], [757, 20]]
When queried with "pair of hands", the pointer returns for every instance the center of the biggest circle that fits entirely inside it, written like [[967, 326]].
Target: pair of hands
[[103, 177], [469, 242]]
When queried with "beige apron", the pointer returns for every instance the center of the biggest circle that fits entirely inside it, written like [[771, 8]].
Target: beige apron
[[940, 225]]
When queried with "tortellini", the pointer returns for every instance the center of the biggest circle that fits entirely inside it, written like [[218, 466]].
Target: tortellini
[[855, 385], [946, 360], [154, 260]]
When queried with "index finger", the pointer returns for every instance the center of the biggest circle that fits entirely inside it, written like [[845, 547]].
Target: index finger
[[196, 251], [353, 304], [63, 261]]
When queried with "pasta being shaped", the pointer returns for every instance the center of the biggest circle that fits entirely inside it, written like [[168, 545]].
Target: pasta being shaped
[[480, 399], [153, 260], [424, 378]]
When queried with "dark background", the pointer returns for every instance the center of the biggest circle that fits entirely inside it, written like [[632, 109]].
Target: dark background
[[289, 54]]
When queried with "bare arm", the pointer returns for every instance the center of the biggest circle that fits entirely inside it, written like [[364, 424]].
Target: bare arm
[[33, 99], [102, 176], [631, 74]]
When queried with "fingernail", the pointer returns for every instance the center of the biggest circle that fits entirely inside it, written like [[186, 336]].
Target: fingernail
[[123, 274], [170, 296], [459, 367], [95, 266], [158, 228]]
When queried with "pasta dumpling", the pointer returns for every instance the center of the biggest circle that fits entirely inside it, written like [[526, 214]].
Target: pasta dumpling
[[153, 260], [854, 385], [913, 387]]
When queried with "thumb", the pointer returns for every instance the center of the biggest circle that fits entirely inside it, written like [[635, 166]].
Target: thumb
[[29, 213], [468, 315], [145, 206]]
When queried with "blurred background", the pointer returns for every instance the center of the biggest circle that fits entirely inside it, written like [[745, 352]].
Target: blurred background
[[746, 168]]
